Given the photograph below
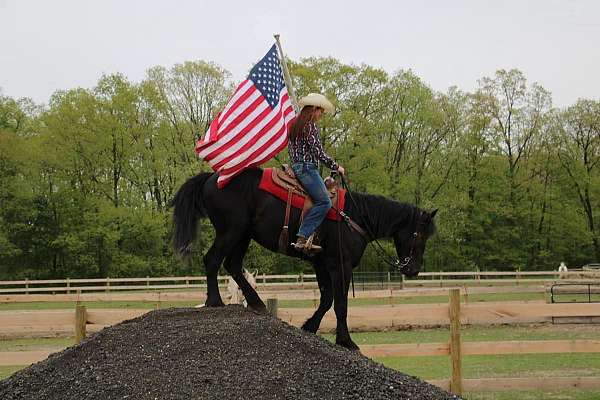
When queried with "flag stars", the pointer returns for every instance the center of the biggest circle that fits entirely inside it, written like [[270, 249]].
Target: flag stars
[[267, 77]]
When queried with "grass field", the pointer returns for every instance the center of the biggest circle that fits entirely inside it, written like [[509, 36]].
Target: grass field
[[539, 395], [282, 303], [500, 366], [480, 333]]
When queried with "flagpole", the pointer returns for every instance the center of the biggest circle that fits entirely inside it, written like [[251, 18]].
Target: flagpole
[[286, 74]]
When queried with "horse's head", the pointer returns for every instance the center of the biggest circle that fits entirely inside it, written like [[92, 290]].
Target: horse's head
[[410, 242]]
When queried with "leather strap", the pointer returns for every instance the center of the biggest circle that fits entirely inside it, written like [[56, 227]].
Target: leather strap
[[353, 225], [288, 207], [284, 235]]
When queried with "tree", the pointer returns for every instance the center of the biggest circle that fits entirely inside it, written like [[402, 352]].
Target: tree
[[578, 140], [517, 113]]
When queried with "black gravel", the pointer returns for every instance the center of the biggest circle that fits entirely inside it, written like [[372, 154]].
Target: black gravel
[[208, 353]]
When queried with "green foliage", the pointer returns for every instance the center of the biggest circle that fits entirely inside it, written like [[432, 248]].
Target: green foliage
[[85, 182]]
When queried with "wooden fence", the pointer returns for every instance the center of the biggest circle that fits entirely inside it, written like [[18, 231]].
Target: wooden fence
[[436, 279], [306, 292], [48, 323], [453, 314]]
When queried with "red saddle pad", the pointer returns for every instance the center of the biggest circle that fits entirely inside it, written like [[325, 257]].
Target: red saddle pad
[[267, 184]]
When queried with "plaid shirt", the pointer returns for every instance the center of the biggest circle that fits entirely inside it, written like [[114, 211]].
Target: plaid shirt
[[308, 148]]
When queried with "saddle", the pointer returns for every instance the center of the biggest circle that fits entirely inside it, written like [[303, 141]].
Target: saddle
[[283, 184], [286, 179]]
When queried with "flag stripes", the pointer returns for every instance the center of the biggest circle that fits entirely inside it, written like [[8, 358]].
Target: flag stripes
[[252, 128]]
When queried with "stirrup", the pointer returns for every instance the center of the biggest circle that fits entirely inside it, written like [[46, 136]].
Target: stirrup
[[307, 246], [310, 247]]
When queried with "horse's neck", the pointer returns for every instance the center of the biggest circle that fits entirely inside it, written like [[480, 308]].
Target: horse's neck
[[383, 216]]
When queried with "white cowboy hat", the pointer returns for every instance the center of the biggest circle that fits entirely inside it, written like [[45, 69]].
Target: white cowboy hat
[[317, 100]]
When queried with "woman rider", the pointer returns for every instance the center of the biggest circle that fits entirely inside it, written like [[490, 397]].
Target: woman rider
[[305, 152]]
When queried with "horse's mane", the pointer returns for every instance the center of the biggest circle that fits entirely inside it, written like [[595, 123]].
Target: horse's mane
[[385, 216]]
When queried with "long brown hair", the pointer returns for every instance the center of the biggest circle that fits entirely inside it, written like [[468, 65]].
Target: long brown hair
[[306, 116]]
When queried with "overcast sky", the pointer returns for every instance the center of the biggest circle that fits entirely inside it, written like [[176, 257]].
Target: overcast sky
[[51, 45]]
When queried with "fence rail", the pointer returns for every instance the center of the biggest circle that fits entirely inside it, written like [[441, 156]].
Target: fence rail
[[363, 318], [307, 291], [364, 280]]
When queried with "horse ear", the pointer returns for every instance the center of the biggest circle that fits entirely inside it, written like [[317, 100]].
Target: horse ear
[[432, 214]]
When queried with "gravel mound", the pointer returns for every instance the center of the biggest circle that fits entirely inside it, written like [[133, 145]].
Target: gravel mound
[[208, 353]]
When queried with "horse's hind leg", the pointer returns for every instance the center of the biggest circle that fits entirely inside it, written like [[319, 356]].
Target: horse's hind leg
[[212, 261], [233, 265]]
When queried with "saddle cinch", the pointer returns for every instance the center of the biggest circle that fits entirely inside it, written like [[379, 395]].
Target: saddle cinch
[[283, 184]]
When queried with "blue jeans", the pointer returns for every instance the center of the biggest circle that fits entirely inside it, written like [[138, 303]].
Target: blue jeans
[[308, 175]]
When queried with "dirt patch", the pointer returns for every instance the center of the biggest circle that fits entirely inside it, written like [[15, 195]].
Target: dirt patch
[[227, 353]]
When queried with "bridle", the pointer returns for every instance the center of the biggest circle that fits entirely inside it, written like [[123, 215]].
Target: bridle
[[411, 251], [367, 233]]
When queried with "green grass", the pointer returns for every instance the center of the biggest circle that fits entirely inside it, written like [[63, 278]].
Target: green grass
[[499, 366], [576, 298], [60, 305], [29, 345], [479, 333], [5, 372], [35, 344], [573, 394], [472, 298]]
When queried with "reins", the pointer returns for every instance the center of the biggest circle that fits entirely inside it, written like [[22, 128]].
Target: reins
[[393, 262]]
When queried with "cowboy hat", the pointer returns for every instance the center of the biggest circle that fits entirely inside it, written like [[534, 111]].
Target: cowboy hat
[[317, 100]]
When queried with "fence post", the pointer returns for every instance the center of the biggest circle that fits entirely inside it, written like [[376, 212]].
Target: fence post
[[401, 281], [455, 343], [272, 307], [389, 279], [107, 284], [68, 286], [158, 301], [80, 321], [26, 286]]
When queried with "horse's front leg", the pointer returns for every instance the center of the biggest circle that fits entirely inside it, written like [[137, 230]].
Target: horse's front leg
[[324, 281], [341, 284]]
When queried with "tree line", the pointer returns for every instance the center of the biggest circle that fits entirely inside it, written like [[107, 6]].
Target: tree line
[[86, 180]]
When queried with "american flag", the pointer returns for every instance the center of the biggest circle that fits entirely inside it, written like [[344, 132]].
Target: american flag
[[253, 126]]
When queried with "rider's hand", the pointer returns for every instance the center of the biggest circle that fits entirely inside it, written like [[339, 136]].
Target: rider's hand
[[341, 170]]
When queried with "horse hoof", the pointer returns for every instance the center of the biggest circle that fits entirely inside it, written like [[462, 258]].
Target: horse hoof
[[218, 303], [259, 309], [348, 344], [309, 327]]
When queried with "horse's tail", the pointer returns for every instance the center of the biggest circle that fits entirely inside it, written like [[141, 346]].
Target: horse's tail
[[188, 207]]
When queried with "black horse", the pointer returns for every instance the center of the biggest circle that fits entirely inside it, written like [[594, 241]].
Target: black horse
[[241, 212]]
